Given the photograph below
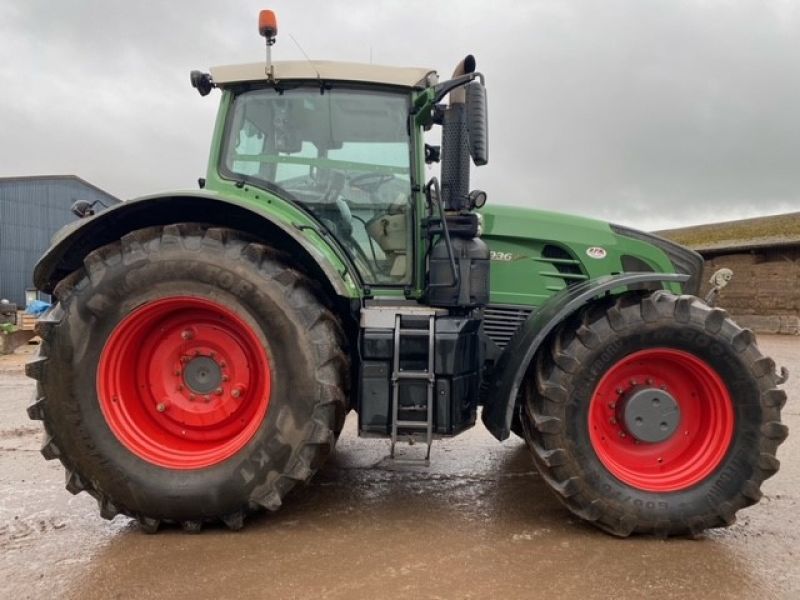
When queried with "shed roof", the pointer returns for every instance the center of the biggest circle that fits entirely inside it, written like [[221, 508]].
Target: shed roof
[[745, 234], [24, 178], [412, 77]]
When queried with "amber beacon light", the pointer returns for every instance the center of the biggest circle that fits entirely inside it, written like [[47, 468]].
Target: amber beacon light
[[268, 25]]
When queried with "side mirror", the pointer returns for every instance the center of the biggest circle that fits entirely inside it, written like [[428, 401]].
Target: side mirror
[[201, 82], [477, 122], [82, 209]]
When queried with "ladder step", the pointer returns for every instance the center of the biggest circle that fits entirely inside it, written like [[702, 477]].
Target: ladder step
[[417, 332], [413, 424], [404, 461], [413, 375]]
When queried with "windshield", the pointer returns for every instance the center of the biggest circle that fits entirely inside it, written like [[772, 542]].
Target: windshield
[[344, 155]]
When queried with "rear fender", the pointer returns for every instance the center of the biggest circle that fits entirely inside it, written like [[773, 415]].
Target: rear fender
[[304, 242], [512, 364]]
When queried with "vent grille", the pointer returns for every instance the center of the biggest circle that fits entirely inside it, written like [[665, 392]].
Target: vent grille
[[563, 266], [501, 322]]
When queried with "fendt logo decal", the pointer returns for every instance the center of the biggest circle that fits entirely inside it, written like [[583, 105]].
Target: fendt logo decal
[[596, 252]]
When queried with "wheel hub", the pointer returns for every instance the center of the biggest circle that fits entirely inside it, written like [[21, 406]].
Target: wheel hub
[[202, 375], [650, 414]]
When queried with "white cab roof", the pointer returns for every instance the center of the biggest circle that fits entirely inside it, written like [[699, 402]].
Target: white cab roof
[[412, 77]]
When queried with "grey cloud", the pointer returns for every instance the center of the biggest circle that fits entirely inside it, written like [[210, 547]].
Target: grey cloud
[[652, 113]]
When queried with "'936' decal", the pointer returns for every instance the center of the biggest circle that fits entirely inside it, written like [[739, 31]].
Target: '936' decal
[[502, 256]]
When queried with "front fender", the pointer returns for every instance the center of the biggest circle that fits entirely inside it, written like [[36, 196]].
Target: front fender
[[512, 364], [303, 240]]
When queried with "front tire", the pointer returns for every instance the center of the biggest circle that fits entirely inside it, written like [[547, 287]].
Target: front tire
[[656, 414], [188, 375]]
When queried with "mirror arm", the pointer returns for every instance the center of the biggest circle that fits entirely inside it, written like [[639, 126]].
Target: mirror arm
[[442, 89]]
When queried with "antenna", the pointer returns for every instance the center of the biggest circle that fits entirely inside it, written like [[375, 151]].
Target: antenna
[[306, 55]]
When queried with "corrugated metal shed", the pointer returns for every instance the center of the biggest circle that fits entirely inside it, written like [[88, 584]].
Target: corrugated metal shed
[[32, 209]]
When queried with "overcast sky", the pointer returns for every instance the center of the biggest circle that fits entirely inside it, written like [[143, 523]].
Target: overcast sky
[[654, 113]]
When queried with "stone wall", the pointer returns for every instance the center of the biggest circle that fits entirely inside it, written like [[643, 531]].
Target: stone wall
[[765, 291]]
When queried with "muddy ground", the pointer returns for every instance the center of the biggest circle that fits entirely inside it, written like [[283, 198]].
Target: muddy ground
[[479, 523]]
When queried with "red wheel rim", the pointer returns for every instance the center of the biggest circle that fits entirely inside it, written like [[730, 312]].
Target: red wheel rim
[[183, 382], [698, 444]]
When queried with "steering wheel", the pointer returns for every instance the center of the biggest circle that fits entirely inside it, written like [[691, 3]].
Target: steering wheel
[[370, 182], [333, 211]]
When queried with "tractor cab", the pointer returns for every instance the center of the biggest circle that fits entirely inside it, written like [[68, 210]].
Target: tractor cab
[[340, 152], [343, 142]]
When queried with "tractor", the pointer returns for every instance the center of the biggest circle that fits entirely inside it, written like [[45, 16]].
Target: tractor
[[204, 347]]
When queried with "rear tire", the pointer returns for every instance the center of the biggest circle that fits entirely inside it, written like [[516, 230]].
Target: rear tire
[[270, 418], [712, 461]]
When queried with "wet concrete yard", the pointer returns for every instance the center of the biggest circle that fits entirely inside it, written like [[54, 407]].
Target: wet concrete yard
[[479, 523]]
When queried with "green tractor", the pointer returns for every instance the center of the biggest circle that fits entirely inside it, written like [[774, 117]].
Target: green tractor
[[205, 346]]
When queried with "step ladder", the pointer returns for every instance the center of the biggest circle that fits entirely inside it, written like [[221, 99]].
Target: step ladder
[[399, 376]]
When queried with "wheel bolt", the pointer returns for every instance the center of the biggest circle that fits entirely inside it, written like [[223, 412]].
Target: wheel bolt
[[649, 381], [225, 378], [620, 391], [663, 387], [161, 407], [237, 392], [622, 434], [612, 405], [207, 398], [633, 382], [218, 391], [179, 387], [176, 372], [187, 334], [191, 396], [612, 421]]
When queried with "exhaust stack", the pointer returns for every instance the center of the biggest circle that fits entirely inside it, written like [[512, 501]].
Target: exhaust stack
[[455, 148]]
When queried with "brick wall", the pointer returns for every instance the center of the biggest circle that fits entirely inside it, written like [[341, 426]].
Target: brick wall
[[765, 291]]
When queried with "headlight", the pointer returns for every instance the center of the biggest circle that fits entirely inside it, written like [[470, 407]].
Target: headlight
[[684, 260]]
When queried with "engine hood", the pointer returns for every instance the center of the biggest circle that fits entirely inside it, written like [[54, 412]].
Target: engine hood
[[531, 223], [536, 253]]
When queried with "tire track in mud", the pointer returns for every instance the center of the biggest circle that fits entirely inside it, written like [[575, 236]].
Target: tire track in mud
[[20, 532], [19, 439], [19, 432]]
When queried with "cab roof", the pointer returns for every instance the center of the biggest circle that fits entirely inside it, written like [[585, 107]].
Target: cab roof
[[410, 77]]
